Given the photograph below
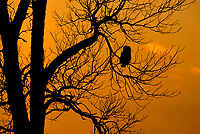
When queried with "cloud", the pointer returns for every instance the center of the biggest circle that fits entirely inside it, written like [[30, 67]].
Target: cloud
[[176, 77], [195, 70], [155, 47]]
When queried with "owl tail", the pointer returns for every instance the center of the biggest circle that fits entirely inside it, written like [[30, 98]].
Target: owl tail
[[123, 65]]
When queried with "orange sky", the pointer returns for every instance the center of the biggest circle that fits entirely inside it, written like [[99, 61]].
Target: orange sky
[[179, 115]]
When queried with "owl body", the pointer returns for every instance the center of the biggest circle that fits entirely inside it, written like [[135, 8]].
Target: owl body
[[125, 56]]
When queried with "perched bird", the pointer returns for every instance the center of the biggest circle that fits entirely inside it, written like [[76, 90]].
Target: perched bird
[[125, 56]]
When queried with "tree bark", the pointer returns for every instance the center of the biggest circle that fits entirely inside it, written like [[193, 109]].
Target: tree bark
[[68, 53], [9, 32], [14, 86], [38, 85]]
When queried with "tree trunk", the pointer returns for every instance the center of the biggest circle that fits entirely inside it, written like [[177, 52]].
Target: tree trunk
[[14, 87], [38, 85]]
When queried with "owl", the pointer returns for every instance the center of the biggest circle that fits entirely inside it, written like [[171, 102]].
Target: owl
[[125, 56]]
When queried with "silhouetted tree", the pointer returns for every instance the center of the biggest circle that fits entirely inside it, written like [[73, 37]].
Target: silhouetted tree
[[85, 75]]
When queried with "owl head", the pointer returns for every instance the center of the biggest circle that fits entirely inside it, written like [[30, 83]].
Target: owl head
[[127, 49]]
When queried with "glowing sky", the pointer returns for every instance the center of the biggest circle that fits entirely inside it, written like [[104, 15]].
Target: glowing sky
[[179, 115]]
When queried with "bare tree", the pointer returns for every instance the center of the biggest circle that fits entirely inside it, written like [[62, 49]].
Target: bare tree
[[86, 75]]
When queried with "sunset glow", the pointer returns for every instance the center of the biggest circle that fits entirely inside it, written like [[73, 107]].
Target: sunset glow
[[90, 69], [179, 115], [155, 47]]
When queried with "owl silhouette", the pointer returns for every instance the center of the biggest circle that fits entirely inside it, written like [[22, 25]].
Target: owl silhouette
[[125, 56]]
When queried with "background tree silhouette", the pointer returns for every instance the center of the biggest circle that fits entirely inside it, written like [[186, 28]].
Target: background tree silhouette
[[85, 76]]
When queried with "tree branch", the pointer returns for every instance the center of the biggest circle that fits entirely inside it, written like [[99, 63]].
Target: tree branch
[[76, 109], [21, 14], [3, 103], [4, 16], [5, 129], [67, 54]]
